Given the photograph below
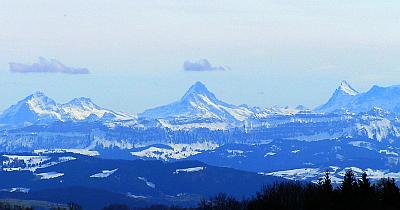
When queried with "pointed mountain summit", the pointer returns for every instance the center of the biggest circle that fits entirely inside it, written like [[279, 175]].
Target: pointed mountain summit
[[345, 88], [200, 105], [342, 96], [196, 90]]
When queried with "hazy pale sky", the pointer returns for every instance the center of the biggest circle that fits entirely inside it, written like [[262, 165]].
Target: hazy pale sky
[[275, 52]]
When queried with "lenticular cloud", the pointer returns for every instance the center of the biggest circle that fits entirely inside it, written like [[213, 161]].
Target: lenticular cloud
[[46, 66], [201, 65]]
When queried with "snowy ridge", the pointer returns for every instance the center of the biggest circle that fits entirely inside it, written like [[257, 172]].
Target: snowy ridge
[[40, 109]]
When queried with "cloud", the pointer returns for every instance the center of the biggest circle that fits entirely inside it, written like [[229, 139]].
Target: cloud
[[46, 66], [201, 65]]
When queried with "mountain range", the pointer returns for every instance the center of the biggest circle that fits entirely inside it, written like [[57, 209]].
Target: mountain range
[[345, 98], [351, 130], [197, 108]]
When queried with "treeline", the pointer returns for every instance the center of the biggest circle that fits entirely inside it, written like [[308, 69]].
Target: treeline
[[8, 205], [353, 193]]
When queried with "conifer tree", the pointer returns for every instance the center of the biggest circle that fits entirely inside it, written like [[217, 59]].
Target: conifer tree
[[349, 183], [327, 183]]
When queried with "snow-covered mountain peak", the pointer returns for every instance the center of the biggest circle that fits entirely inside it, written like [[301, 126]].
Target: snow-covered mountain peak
[[342, 96], [82, 108], [345, 87], [34, 108], [196, 90], [197, 107]]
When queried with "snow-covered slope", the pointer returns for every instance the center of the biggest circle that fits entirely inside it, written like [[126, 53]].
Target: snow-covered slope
[[387, 98], [82, 108], [197, 106], [345, 98], [40, 109], [33, 109]]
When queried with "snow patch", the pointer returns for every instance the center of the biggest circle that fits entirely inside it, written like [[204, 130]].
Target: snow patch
[[75, 151], [149, 184], [189, 170], [269, 154], [295, 151], [130, 195], [16, 189], [104, 173], [49, 175], [387, 152]]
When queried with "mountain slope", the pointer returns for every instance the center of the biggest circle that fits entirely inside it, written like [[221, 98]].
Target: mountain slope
[[33, 109], [342, 96], [181, 182], [199, 105], [82, 108], [387, 98]]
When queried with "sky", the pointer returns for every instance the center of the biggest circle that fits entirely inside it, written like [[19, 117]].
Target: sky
[[130, 55]]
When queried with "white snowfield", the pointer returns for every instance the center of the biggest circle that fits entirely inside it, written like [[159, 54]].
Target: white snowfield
[[346, 88], [104, 173], [49, 175], [269, 154], [148, 183], [178, 151], [31, 163], [297, 174], [16, 189], [336, 173], [189, 170], [387, 152], [75, 151], [130, 195]]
